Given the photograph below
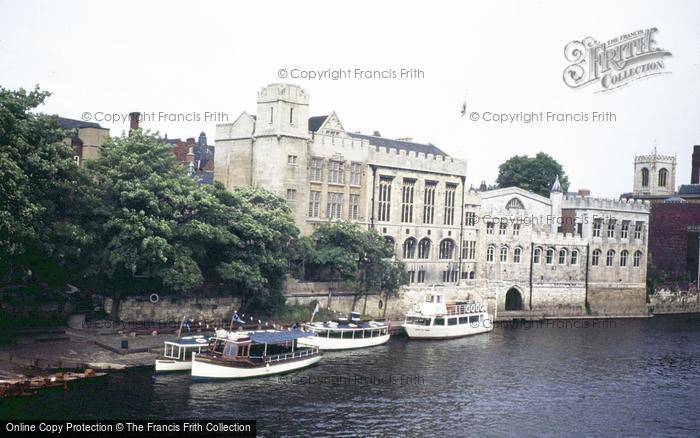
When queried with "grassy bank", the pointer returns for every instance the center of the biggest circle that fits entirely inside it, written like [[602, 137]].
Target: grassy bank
[[291, 313]]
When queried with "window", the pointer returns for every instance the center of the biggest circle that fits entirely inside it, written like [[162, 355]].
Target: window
[[663, 176], [354, 210], [314, 203], [450, 276], [597, 226], [549, 258], [502, 229], [516, 229], [517, 253], [429, 202], [504, 254], [335, 172], [291, 159], [421, 276], [623, 258], [315, 169], [450, 191], [409, 248], [470, 218], [637, 259], [625, 229], [595, 258], [574, 257], [469, 249], [489, 253], [611, 229], [447, 248], [490, 227], [334, 209], [645, 177], [610, 257], [411, 276], [638, 230], [407, 200], [515, 204], [272, 115], [384, 199], [291, 195], [355, 174], [562, 256], [424, 248], [291, 116], [537, 255]]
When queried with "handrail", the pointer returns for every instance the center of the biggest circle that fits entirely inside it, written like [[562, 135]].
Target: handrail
[[285, 356]]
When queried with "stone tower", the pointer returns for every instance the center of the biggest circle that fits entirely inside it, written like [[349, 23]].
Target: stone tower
[[654, 175], [556, 196]]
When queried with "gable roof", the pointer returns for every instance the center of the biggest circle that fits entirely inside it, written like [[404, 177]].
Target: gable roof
[[77, 124], [510, 191], [400, 144], [316, 122]]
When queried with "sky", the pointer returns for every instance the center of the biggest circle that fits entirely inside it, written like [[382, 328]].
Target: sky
[[194, 58]]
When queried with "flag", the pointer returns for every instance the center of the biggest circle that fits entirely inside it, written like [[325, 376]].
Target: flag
[[316, 309]]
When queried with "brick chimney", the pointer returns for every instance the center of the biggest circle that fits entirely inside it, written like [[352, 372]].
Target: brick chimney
[[134, 119], [584, 192], [695, 174]]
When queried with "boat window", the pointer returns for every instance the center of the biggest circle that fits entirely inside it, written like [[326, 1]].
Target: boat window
[[464, 320], [474, 319], [438, 299], [219, 347], [439, 321], [452, 321], [334, 334], [430, 299], [418, 321], [230, 349]]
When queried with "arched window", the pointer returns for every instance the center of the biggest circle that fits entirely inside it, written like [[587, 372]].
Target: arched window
[[623, 258], [595, 259], [645, 177], [663, 176], [537, 255], [409, 248], [562, 256], [489, 253], [504, 254], [636, 262], [549, 258], [610, 258], [472, 275], [515, 204], [424, 248], [447, 249], [517, 252], [574, 257]]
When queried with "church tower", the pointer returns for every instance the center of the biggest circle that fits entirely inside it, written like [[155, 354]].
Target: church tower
[[654, 175]]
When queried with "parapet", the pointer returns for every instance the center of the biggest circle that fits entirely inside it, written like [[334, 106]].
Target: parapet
[[581, 202]]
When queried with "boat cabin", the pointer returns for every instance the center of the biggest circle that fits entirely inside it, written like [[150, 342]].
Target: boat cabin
[[183, 348], [445, 320], [259, 346]]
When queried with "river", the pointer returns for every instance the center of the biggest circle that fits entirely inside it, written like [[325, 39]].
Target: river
[[633, 377]]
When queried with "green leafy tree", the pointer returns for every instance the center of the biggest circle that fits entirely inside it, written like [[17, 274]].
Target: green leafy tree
[[536, 174]]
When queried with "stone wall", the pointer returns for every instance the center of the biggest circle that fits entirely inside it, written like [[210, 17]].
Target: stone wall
[[168, 309], [667, 301], [617, 300]]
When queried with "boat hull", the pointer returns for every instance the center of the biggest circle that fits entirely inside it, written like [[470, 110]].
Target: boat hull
[[169, 365], [208, 370], [342, 344], [444, 332]]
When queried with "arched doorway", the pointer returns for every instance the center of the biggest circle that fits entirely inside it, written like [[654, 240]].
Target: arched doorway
[[514, 301]]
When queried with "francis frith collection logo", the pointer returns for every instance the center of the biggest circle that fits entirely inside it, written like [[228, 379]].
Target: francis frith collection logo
[[615, 63]]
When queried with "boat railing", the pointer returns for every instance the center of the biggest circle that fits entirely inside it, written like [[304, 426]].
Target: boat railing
[[285, 356], [461, 309]]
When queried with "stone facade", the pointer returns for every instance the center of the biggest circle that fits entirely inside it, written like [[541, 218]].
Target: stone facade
[[86, 139], [172, 310], [654, 175]]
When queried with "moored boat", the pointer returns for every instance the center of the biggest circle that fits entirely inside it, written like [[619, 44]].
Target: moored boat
[[436, 319], [253, 354], [344, 334], [177, 354]]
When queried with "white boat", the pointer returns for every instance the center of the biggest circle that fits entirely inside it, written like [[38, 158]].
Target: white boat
[[436, 319], [177, 354], [253, 354], [344, 334]]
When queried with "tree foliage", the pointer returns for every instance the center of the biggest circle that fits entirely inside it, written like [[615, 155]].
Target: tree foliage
[[536, 174]]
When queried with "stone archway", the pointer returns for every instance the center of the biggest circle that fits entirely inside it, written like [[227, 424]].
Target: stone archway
[[514, 300]]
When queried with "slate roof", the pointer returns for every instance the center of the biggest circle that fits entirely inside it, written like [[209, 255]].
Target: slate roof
[[689, 189], [77, 124], [399, 144], [316, 122]]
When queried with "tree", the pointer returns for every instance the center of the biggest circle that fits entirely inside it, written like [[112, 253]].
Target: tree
[[45, 199], [536, 174]]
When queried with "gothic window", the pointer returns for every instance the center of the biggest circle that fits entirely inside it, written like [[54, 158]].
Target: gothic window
[[637, 259], [336, 174], [407, 200], [429, 202], [504, 254], [315, 169], [595, 259], [421, 276], [574, 257], [424, 248], [517, 252], [638, 230], [663, 175], [597, 225], [469, 249], [562, 256], [447, 248], [537, 255], [549, 258], [355, 174], [515, 204], [645, 177], [611, 229], [470, 218], [489, 253], [354, 212], [623, 258], [334, 208], [409, 248], [384, 213], [625, 230], [314, 203], [291, 195], [610, 258], [450, 191]]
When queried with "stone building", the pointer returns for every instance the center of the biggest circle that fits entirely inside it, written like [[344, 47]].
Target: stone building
[[411, 193], [198, 156], [86, 138]]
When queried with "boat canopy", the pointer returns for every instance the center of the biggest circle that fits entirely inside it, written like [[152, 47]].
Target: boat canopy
[[278, 337], [190, 342]]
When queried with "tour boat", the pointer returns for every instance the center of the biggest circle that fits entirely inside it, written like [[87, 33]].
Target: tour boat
[[435, 319], [177, 354], [344, 334], [260, 353]]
